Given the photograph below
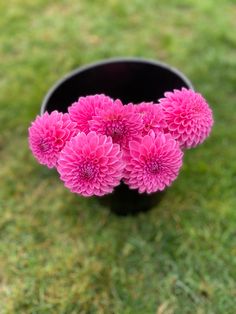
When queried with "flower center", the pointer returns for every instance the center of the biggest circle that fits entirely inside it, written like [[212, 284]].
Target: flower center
[[116, 130], [44, 146], [152, 167], [87, 171]]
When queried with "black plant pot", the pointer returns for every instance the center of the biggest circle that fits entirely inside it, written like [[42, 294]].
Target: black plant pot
[[131, 80]]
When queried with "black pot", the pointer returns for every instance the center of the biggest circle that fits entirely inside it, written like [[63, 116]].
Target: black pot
[[131, 80]]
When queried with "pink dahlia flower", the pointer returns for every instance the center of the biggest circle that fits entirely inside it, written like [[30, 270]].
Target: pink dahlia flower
[[48, 135], [152, 163], [188, 116], [91, 164], [152, 116], [84, 109], [120, 122]]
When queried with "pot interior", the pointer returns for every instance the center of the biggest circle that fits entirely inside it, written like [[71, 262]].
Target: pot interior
[[129, 80]]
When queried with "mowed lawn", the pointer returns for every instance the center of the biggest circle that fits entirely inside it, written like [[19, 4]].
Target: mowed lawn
[[63, 254]]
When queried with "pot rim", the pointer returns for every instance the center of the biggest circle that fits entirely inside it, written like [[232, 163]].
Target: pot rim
[[108, 61]]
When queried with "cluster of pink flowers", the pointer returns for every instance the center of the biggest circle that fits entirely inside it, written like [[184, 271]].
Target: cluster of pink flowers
[[101, 141]]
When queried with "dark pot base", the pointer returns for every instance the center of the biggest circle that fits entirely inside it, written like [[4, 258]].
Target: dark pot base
[[124, 202]]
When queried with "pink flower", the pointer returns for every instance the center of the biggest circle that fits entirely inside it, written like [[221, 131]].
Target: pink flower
[[48, 135], [120, 122], [91, 164], [84, 109], [152, 163], [188, 116], [152, 116]]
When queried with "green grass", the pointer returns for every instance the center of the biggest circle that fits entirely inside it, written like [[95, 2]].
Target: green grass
[[63, 254]]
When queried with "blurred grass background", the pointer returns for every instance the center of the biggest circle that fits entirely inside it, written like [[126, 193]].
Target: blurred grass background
[[60, 253]]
